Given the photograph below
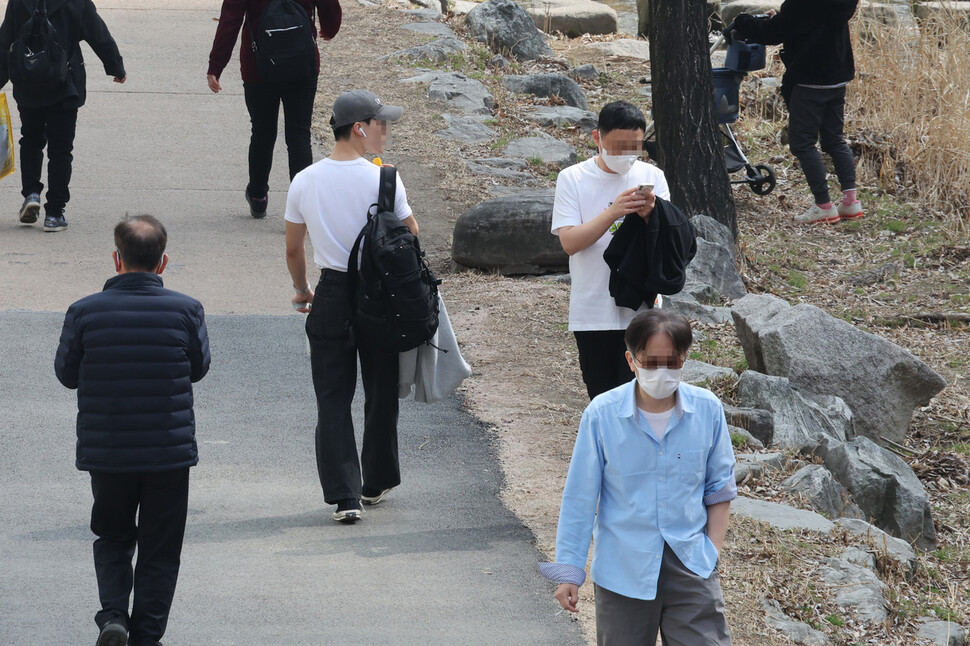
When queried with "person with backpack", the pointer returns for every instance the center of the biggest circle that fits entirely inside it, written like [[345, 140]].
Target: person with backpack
[[40, 53], [330, 201], [280, 64]]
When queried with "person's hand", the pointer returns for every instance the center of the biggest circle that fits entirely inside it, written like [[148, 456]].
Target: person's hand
[[629, 201], [567, 594], [122, 79], [771, 13], [650, 200], [305, 299], [213, 81]]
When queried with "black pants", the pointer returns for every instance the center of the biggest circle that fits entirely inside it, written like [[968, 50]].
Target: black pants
[[334, 349], [53, 127], [602, 360], [161, 503], [819, 116], [263, 101]]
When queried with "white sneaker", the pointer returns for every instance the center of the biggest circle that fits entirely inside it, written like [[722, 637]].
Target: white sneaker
[[852, 211], [374, 500], [818, 215]]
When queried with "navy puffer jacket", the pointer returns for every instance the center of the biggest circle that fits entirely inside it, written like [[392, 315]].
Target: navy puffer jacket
[[133, 352]]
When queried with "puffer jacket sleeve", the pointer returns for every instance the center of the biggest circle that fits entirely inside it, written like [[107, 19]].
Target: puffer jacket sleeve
[[199, 346], [67, 362]]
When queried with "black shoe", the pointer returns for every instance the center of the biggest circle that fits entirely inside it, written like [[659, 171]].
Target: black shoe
[[30, 209], [348, 511], [55, 223], [369, 497], [113, 634], [257, 206]]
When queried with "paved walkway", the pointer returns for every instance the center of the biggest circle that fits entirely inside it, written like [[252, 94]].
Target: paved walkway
[[440, 562]]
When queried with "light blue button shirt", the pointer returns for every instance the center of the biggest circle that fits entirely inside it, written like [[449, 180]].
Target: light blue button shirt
[[649, 492]]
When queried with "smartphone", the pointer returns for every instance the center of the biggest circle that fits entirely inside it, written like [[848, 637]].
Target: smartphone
[[643, 188], [298, 306]]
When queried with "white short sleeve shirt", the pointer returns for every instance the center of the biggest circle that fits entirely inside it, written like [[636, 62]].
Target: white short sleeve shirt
[[583, 191], [332, 198]]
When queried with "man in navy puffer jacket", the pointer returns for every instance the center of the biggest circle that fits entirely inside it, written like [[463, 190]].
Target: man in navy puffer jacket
[[133, 351]]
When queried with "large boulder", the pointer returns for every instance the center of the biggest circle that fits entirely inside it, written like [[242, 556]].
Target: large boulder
[[437, 50], [501, 167], [713, 231], [881, 382], [713, 267], [699, 373], [780, 516], [459, 92], [884, 487], [507, 28], [822, 491], [466, 129], [573, 18], [794, 631], [543, 148], [730, 10], [547, 85], [686, 304], [624, 48], [801, 419], [856, 588], [561, 116], [942, 633], [510, 234], [760, 423], [431, 28], [896, 549]]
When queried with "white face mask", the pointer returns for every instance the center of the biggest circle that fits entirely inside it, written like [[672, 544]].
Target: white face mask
[[618, 163], [660, 383]]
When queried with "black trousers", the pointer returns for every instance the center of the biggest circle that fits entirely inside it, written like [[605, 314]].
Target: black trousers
[[263, 102], [334, 350], [160, 501], [53, 127], [819, 116], [602, 360]]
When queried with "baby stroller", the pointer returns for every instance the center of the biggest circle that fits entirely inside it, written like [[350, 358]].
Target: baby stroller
[[741, 58]]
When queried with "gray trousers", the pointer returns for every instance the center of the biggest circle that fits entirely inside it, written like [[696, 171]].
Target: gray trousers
[[688, 611], [819, 116]]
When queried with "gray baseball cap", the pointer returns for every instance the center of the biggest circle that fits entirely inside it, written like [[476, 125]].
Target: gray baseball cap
[[361, 105]]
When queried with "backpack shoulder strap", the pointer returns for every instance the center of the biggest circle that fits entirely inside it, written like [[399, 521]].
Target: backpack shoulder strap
[[386, 195]]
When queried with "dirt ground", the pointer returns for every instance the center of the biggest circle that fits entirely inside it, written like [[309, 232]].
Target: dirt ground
[[526, 383]]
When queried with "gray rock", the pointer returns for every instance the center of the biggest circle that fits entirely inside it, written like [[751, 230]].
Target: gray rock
[[555, 116], [586, 72], [821, 490], [730, 10], [896, 549], [500, 167], [685, 304], [510, 234], [437, 50], [461, 7], [796, 631], [499, 61], [801, 419], [441, 6], [461, 93], [780, 516], [759, 423], [432, 28], [424, 14], [713, 231], [943, 633], [750, 440], [881, 382], [547, 85], [884, 487], [467, 129], [507, 29], [713, 265], [872, 276], [698, 372], [625, 48], [744, 469], [856, 588], [701, 292], [572, 18], [860, 557], [770, 461], [548, 149]]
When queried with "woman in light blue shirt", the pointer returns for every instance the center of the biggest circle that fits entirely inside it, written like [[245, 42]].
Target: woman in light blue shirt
[[650, 482]]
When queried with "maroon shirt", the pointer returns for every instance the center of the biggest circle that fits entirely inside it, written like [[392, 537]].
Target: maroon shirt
[[243, 13]]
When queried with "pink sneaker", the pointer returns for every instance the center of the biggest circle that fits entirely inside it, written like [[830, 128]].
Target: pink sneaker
[[818, 215], [852, 211]]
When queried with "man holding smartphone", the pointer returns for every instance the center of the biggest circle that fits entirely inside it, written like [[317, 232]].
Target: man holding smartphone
[[592, 198]]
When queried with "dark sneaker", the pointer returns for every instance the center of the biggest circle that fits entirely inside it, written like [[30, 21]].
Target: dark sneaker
[[257, 206], [373, 497], [348, 511], [31, 209], [113, 634], [55, 223]]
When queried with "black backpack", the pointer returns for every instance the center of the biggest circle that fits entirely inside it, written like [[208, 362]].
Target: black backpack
[[283, 42], [394, 295], [35, 59]]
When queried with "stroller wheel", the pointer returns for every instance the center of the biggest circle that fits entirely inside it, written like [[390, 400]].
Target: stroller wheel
[[764, 183]]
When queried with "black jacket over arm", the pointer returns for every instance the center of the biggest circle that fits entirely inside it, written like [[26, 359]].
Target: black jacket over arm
[[74, 21], [133, 352], [650, 257]]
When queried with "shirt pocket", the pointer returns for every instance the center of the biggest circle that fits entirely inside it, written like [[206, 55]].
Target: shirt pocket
[[690, 467]]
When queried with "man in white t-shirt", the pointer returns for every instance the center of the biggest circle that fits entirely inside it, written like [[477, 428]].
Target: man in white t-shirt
[[592, 198], [329, 201]]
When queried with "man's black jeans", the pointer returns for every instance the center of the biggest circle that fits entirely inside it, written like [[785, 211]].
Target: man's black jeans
[[816, 115], [161, 503], [334, 349], [53, 127], [263, 101], [602, 360]]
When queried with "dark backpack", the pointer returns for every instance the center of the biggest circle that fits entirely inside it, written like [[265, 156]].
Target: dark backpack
[[283, 42], [394, 295], [35, 59]]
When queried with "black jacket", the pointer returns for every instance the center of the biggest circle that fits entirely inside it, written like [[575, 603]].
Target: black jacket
[[133, 352], [816, 48], [74, 20], [650, 257]]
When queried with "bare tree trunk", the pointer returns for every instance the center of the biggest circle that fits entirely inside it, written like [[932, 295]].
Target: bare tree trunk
[[688, 139]]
